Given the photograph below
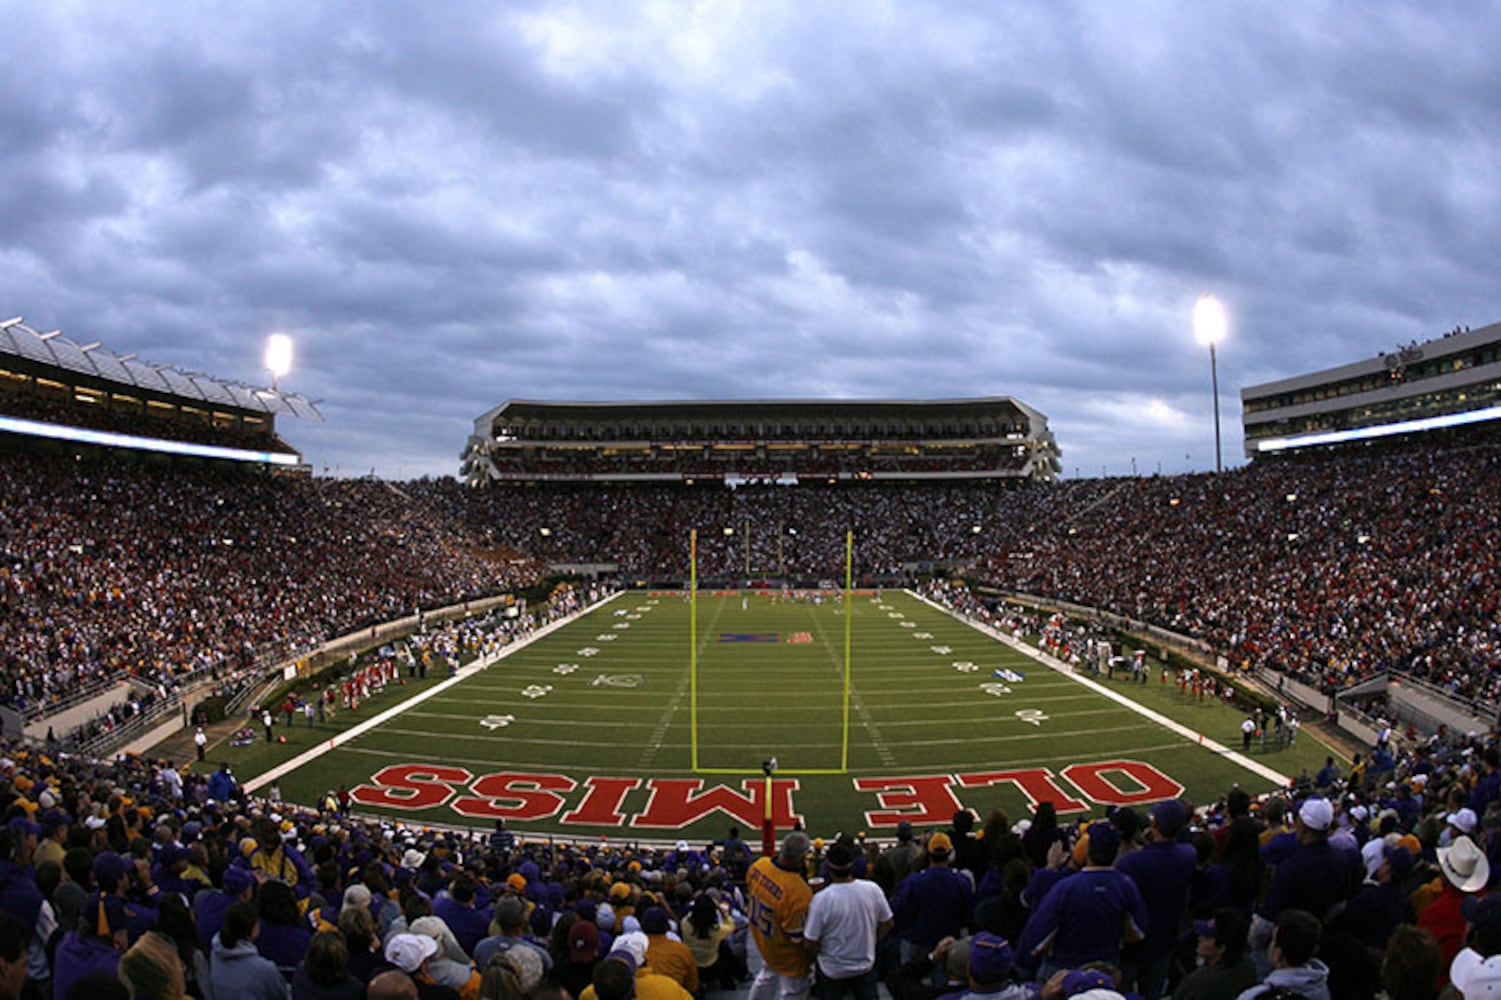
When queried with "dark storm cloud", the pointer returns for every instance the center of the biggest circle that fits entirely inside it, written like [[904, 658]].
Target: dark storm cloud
[[449, 206]]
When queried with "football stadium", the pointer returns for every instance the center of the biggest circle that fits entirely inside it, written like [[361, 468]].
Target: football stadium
[[630, 647]]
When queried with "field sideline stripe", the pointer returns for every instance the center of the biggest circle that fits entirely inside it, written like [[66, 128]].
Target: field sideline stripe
[[1193, 736], [465, 673]]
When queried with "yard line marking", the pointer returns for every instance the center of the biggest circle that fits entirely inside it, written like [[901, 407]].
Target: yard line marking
[[1053, 663], [464, 673]]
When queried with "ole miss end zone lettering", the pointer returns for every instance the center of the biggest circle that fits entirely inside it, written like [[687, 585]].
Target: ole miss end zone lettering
[[660, 804]]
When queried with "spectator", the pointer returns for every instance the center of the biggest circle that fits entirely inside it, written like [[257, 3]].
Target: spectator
[[1294, 968], [152, 970], [1226, 969], [666, 956], [846, 919], [284, 935], [410, 953], [779, 901], [13, 941], [236, 969], [324, 973], [1162, 870], [706, 932], [1465, 874], [95, 946], [933, 903], [1086, 916]]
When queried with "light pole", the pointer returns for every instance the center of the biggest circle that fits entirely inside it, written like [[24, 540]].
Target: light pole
[[1209, 328], [278, 356]]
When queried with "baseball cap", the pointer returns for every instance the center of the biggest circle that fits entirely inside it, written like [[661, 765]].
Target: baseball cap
[[1316, 814], [841, 857], [1085, 980], [1125, 819], [1462, 819], [622, 955], [237, 879], [1482, 911], [620, 890], [510, 911], [904, 830], [54, 818], [526, 963], [1401, 860], [516, 881], [1474, 976], [23, 826], [957, 962], [990, 957], [583, 942], [634, 943], [1104, 838], [106, 913], [109, 868], [1170, 815], [654, 920], [408, 951], [939, 845]]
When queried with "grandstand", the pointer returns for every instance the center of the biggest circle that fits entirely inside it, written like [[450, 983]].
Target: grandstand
[[762, 441], [1446, 381], [55, 389]]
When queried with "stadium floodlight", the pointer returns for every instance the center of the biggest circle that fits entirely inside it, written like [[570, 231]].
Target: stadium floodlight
[[49, 335], [278, 356], [13, 321], [1210, 326]]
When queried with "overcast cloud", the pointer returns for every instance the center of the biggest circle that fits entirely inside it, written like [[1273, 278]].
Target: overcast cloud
[[448, 205]]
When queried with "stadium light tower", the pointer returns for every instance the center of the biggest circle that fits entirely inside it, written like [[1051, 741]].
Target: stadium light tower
[[1209, 328], [278, 356]]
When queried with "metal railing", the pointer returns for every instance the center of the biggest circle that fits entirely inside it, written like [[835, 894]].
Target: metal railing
[[103, 744]]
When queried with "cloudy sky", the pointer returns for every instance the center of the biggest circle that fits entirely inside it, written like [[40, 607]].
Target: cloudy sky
[[448, 205]]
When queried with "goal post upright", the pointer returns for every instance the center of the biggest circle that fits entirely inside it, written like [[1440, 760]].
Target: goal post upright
[[693, 642], [849, 608]]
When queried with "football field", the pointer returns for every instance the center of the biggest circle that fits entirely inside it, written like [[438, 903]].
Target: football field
[[648, 719]]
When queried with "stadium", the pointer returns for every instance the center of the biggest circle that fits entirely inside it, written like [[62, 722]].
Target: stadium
[[625, 629]]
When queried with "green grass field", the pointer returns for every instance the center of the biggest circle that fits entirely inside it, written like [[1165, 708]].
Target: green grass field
[[589, 730]]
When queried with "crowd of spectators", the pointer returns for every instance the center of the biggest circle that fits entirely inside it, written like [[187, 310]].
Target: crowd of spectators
[[1371, 879], [1333, 567], [107, 568]]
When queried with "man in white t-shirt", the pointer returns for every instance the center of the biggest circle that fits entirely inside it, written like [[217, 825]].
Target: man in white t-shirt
[[845, 920]]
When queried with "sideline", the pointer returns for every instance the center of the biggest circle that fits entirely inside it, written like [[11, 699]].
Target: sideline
[[1053, 663], [395, 710]]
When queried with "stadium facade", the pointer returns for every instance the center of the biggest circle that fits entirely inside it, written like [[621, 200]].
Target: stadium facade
[[760, 441], [1444, 382]]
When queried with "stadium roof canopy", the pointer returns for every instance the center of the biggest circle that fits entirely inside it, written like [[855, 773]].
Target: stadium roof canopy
[[753, 410], [91, 361]]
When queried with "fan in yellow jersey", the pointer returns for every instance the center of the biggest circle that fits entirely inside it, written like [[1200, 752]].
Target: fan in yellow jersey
[[779, 899]]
